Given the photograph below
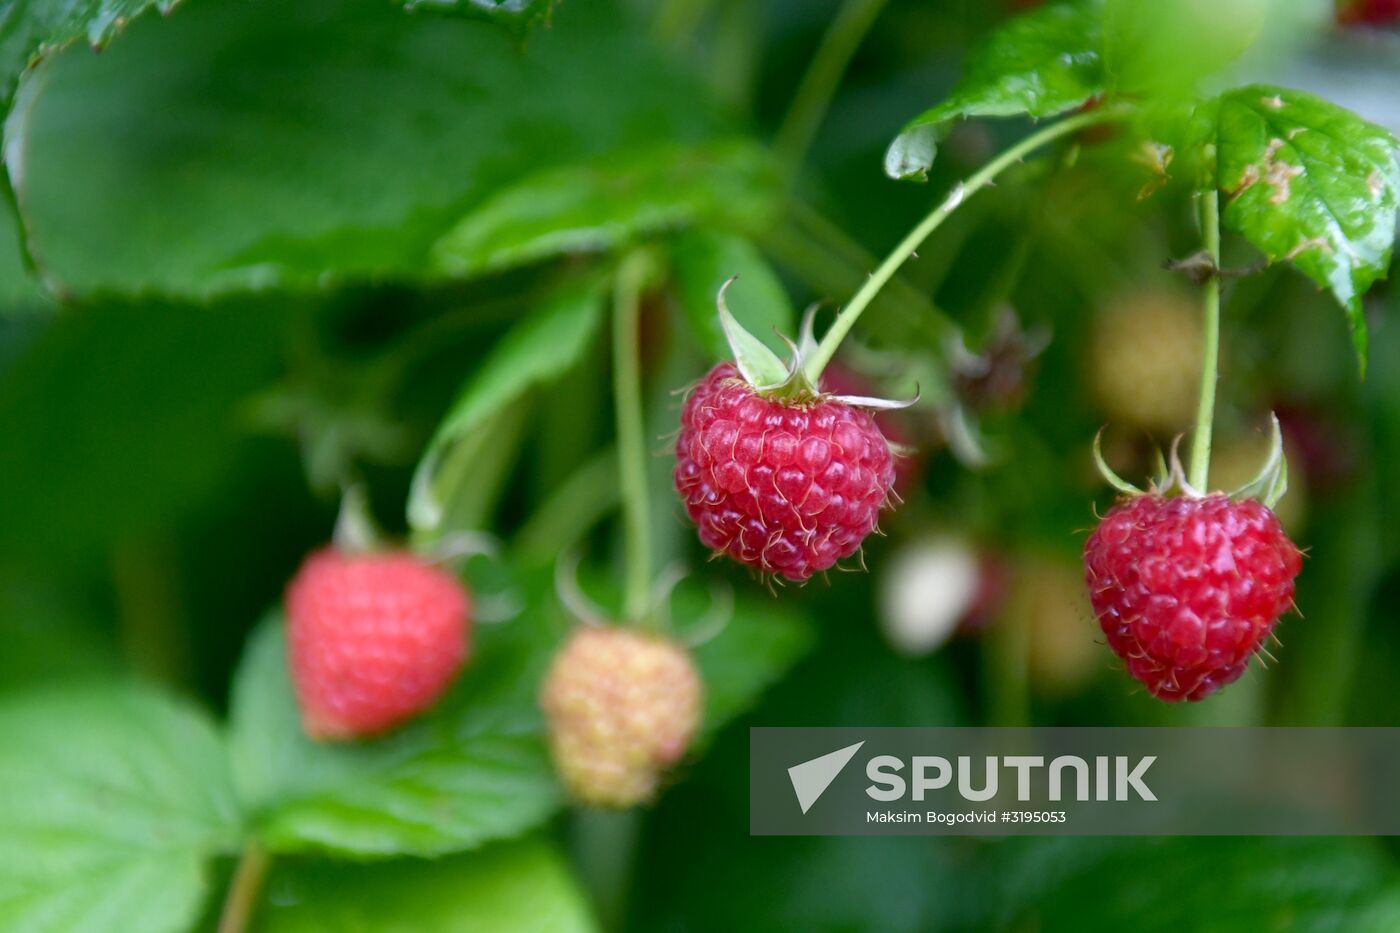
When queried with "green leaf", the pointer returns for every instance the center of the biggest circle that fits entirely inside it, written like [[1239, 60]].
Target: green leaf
[[703, 260], [1167, 46], [603, 204], [1218, 885], [1039, 64], [35, 28], [472, 770], [19, 292], [518, 16], [264, 144], [1312, 184], [540, 348], [112, 798], [510, 887]]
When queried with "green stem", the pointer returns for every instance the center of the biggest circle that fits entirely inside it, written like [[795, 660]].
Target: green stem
[[1210, 354], [631, 442], [823, 76], [960, 193], [848, 261], [243, 890]]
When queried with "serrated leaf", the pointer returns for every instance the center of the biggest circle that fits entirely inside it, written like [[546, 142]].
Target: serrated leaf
[[272, 145], [703, 260], [518, 16], [1039, 64], [31, 29], [112, 799], [472, 770], [601, 205], [508, 887], [1312, 184]]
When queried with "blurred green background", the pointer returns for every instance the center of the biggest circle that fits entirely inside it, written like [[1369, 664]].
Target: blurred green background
[[274, 238]]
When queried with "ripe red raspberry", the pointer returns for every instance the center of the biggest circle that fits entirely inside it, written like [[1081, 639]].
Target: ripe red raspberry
[[373, 640], [787, 488], [1187, 589], [622, 706]]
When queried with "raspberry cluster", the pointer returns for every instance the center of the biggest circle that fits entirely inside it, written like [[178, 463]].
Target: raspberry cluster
[[622, 706], [372, 640], [1187, 589], [789, 489]]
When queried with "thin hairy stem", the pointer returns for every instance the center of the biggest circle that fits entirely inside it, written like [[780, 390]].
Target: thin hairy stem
[[960, 193]]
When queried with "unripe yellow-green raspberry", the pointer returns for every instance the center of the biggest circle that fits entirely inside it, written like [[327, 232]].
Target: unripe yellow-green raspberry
[[1145, 360], [622, 706]]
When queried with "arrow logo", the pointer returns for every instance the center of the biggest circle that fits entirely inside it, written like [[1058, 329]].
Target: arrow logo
[[811, 778]]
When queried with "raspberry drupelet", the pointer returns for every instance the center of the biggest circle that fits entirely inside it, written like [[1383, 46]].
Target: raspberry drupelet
[[1187, 589], [787, 488]]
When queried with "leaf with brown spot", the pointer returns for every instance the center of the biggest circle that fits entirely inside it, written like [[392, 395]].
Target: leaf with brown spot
[[1311, 184]]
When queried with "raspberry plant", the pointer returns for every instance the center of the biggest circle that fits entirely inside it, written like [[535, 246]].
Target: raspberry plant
[[305, 219]]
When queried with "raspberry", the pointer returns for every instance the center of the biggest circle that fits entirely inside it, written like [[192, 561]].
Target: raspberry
[[1186, 589], [787, 488], [622, 706], [1145, 361], [373, 640]]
